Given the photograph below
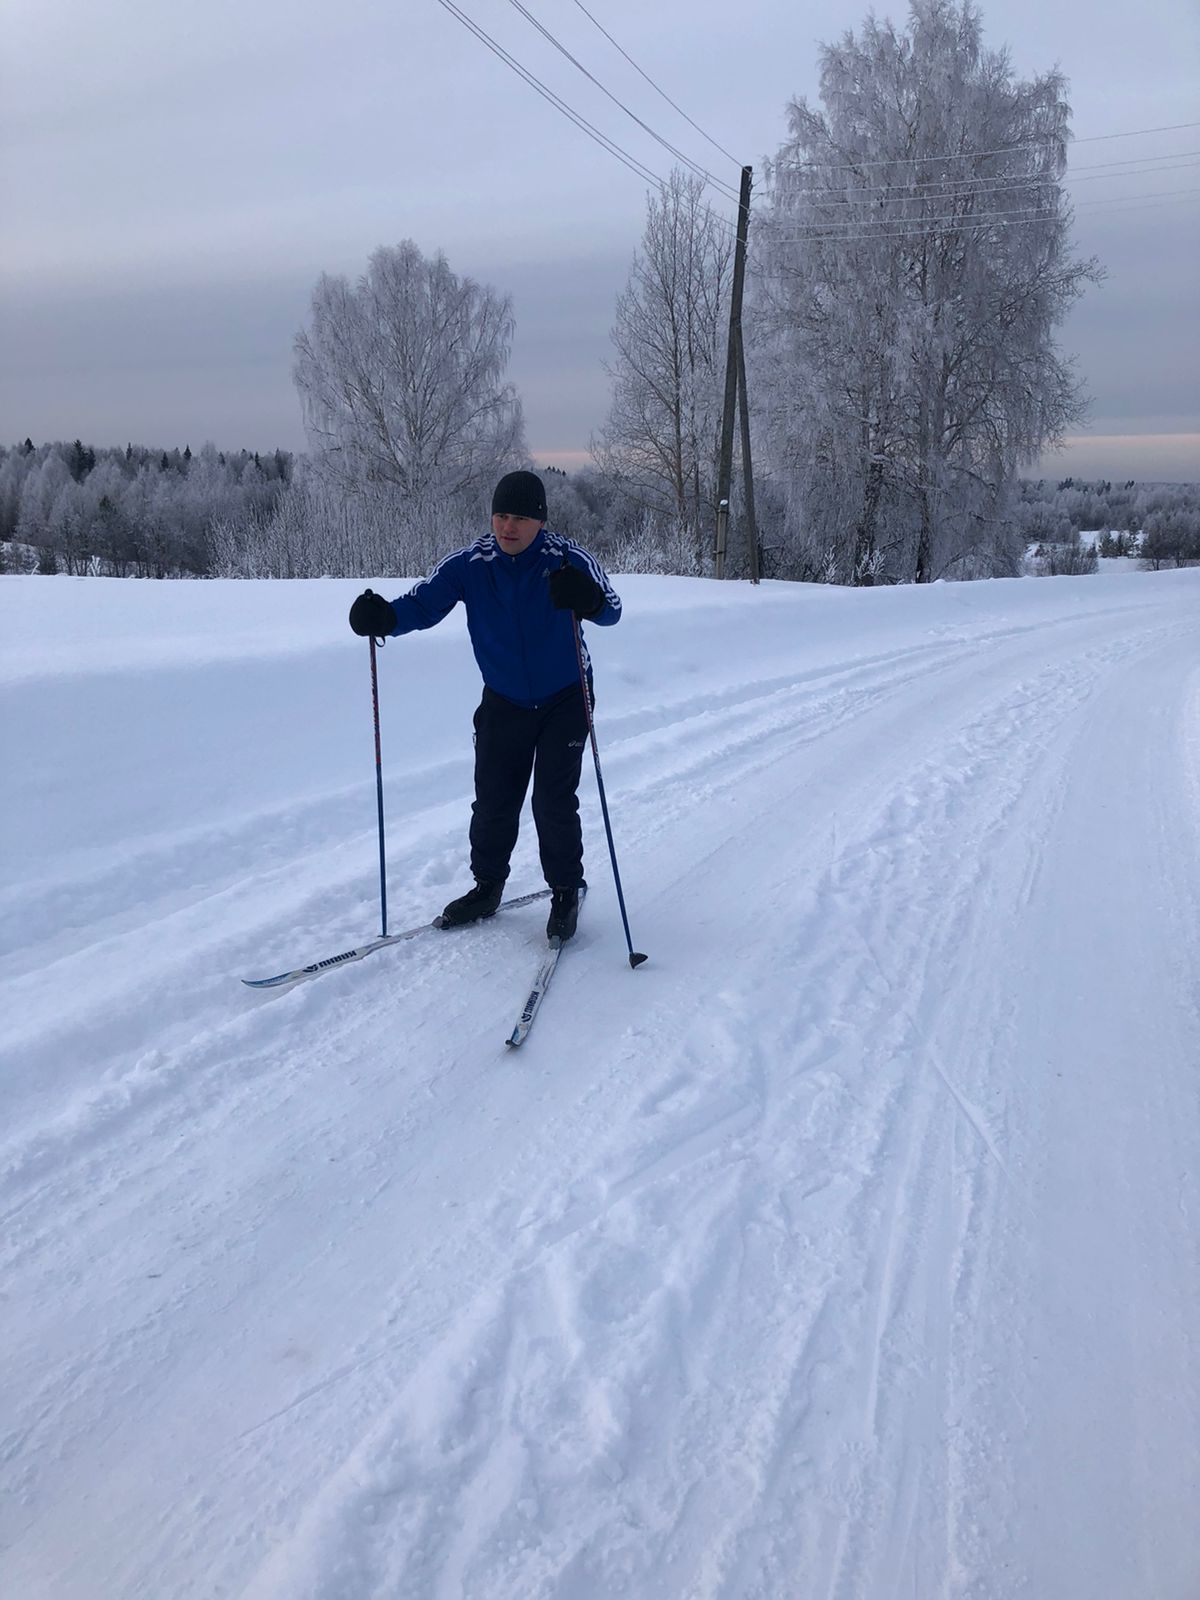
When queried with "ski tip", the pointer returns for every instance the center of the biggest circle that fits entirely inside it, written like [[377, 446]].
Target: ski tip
[[636, 959]]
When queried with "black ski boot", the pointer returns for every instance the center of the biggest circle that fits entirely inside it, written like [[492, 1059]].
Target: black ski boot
[[479, 902], [564, 914]]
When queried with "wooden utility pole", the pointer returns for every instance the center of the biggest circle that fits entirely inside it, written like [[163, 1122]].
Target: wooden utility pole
[[747, 469], [725, 464]]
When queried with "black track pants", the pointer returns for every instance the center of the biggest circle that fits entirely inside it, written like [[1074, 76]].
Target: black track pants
[[510, 743]]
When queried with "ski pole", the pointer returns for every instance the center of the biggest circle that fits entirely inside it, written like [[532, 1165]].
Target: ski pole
[[635, 957], [379, 795]]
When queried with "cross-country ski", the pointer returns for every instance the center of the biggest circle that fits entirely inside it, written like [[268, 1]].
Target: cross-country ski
[[536, 995], [284, 980], [537, 992]]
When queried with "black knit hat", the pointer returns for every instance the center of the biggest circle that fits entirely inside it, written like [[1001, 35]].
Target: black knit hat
[[520, 494]]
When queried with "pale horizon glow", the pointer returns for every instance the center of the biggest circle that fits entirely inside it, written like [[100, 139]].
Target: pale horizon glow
[[1148, 457]]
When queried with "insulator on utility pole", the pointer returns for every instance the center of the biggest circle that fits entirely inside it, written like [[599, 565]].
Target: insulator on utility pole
[[725, 463]]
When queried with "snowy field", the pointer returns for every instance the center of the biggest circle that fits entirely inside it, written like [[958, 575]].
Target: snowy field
[[845, 1251]]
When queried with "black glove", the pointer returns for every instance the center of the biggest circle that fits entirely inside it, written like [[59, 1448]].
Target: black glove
[[572, 589], [372, 616]]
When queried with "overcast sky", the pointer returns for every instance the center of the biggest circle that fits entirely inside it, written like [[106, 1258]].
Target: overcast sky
[[173, 179]]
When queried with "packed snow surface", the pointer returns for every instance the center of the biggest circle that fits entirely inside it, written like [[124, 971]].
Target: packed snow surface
[[845, 1251]]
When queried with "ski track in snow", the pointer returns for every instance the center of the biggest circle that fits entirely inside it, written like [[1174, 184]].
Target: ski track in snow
[[846, 1250]]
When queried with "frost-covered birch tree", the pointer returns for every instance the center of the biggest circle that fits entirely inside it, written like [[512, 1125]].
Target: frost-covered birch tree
[[913, 265], [661, 437], [401, 379]]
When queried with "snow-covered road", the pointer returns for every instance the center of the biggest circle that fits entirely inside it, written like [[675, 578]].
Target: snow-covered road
[[846, 1251]]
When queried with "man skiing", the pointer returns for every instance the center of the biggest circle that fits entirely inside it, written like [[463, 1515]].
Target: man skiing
[[519, 584]]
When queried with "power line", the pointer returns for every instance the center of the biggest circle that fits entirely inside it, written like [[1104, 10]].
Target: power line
[[602, 139], [897, 193], [985, 186], [973, 155], [1135, 133], [1133, 161], [655, 86], [830, 204], [638, 168], [968, 223], [624, 156], [693, 166], [918, 227]]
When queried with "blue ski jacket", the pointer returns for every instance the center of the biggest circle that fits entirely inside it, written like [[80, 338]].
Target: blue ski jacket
[[525, 647]]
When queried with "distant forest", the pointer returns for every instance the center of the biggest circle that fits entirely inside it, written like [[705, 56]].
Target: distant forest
[[134, 512], [153, 513]]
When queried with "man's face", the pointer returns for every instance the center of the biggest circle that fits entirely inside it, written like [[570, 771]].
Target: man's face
[[514, 534]]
